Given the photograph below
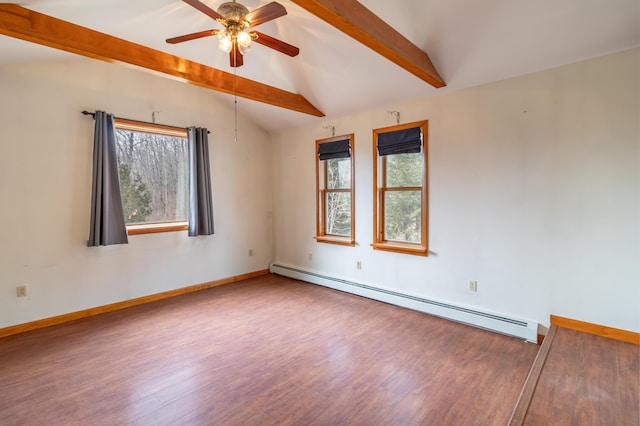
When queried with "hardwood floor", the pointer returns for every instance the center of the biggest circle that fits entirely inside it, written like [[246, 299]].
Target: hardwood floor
[[269, 350], [587, 380]]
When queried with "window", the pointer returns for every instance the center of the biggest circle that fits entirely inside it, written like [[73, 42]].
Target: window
[[335, 220], [153, 172], [400, 188]]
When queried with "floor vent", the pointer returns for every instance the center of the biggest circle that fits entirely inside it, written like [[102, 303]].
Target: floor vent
[[521, 328]]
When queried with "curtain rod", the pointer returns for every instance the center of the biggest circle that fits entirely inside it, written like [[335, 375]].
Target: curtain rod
[[93, 114]]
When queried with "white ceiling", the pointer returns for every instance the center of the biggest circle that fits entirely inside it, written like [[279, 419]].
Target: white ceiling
[[470, 42]]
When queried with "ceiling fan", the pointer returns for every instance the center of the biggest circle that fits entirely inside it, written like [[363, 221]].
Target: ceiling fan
[[236, 19]]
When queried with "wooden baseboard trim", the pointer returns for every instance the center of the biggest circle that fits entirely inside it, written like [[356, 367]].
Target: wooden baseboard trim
[[60, 319], [524, 400], [598, 330]]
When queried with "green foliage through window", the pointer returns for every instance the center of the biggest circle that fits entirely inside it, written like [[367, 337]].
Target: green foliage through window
[[136, 198], [400, 205], [402, 216], [402, 208], [404, 170]]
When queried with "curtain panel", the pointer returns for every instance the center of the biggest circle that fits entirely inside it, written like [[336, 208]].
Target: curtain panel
[[200, 204], [107, 224]]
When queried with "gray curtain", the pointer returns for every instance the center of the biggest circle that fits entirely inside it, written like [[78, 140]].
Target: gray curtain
[[107, 218], [200, 206]]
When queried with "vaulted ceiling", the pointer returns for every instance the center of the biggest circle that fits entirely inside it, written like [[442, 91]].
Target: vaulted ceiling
[[348, 60]]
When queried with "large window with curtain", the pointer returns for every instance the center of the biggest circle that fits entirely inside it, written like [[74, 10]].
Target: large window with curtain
[[153, 169], [400, 188], [335, 218], [148, 178]]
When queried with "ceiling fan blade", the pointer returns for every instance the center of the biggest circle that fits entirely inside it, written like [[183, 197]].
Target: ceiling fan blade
[[192, 36], [235, 57], [265, 13], [276, 44], [204, 9]]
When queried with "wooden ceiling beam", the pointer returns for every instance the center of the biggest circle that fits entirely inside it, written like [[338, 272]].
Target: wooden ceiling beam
[[25, 24], [355, 20]]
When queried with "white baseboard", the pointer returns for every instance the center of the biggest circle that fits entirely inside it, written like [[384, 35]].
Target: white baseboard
[[522, 328]]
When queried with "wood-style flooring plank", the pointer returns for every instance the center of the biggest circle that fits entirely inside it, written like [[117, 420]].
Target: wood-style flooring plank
[[269, 350], [587, 380], [555, 390], [596, 388], [628, 374]]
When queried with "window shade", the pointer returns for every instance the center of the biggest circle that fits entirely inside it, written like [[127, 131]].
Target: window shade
[[406, 141], [337, 149]]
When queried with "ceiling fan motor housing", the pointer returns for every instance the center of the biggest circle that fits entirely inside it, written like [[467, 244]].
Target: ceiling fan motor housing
[[233, 11]]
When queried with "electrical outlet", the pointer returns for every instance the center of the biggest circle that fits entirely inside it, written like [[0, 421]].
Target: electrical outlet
[[359, 264], [21, 291], [250, 252], [473, 286], [310, 256]]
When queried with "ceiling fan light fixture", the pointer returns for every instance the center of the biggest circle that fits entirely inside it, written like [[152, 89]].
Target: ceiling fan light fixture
[[236, 37], [225, 43], [234, 34], [244, 41]]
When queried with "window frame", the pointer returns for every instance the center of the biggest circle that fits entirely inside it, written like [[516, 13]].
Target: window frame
[[159, 129], [321, 172], [380, 189]]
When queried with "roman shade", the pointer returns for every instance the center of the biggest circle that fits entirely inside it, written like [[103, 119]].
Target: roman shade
[[336, 149], [406, 141]]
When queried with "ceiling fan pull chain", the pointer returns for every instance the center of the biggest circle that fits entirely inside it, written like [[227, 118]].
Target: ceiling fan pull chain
[[235, 103]]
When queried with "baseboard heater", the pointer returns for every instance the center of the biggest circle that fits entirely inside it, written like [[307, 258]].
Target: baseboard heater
[[521, 328]]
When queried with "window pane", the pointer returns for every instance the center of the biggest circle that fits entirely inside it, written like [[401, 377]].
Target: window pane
[[153, 177], [338, 213], [404, 170], [338, 173], [402, 216]]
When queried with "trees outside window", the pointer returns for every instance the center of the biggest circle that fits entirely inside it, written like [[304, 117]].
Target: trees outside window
[[136, 197], [153, 172], [337, 196], [400, 190], [335, 221]]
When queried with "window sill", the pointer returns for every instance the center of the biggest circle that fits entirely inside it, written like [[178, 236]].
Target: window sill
[[413, 249], [342, 241], [153, 228]]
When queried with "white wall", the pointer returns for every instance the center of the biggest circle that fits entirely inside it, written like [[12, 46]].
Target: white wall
[[534, 192], [45, 178]]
